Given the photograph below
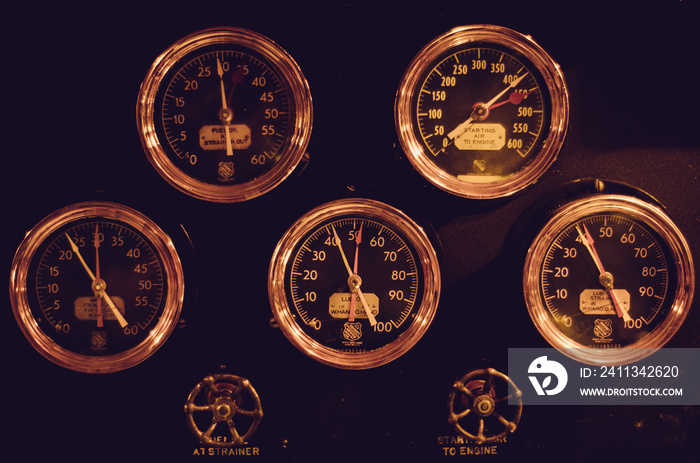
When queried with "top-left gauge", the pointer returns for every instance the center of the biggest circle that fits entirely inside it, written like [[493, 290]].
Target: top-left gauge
[[225, 114]]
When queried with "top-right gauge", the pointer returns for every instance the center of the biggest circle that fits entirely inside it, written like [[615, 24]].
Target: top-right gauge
[[482, 111]]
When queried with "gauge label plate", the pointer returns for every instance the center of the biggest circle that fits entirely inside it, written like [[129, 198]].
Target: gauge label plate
[[339, 305], [86, 308], [598, 302], [488, 137], [213, 137]]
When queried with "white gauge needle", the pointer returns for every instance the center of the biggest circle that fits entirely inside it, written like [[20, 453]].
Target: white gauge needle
[[225, 113], [100, 291], [605, 278], [461, 128], [100, 321], [372, 320]]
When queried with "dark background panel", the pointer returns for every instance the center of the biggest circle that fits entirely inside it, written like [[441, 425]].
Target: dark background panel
[[72, 75]]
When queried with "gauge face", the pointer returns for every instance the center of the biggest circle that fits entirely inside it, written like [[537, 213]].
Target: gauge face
[[225, 115], [499, 138], [103, 285], [482, 111], [609, 273], [397, 280], [354, 284]]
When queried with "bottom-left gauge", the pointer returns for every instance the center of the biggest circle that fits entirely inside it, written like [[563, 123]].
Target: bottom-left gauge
[[96, 287]]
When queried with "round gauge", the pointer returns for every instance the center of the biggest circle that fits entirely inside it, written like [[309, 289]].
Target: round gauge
[[481, 111], [608, 274], [224, 114], [354, 283], [96, 287]]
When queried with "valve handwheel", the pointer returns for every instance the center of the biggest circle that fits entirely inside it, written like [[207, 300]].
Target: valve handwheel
[[220, 405], [478, 399]]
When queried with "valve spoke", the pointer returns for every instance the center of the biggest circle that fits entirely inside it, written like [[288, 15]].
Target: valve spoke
[[465, 390], [207, 434], [235, 437], [488, 383], [251, 413], [480, 434], [200, 408], [464, 414]]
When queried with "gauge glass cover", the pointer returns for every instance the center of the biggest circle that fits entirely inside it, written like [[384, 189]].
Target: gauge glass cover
[[481, 111], [320, 295], [225, 114], [609, 278], [96, 287]]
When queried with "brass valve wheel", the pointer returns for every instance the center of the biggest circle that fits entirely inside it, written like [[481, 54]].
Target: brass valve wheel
[[219, 407], [480, 399]]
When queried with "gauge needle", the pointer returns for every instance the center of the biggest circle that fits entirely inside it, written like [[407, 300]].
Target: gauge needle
[[100, 321], [372, 320], [515, 98], [100, 291], [225, 114], [358, 240], [605, 278], [461, 128]]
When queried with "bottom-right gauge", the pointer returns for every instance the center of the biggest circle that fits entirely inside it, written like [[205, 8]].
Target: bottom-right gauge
[[606, 274]]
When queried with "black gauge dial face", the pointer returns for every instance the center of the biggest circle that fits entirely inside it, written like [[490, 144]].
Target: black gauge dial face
[[325, 296], [224, 114], [354, 283], [625, 301], [96, 287], [482, 113], [76, 310]]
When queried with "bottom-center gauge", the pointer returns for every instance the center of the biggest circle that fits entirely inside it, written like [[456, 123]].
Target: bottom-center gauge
[[354, 283]]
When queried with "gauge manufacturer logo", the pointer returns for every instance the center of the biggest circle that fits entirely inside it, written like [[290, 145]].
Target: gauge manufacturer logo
[[352, 331], [226, 169], [479, 165], [602, 328], [546, 369], [98, 339]]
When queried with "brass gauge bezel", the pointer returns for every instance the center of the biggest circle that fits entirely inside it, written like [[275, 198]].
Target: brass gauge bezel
[[423, 253], [453, 41], [172, 302], [642, 212], [300, 114]]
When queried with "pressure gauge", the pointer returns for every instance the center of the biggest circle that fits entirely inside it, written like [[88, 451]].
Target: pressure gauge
[[224, 114], [96, 287], [354, 283], [609, 273], [481, 112]]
